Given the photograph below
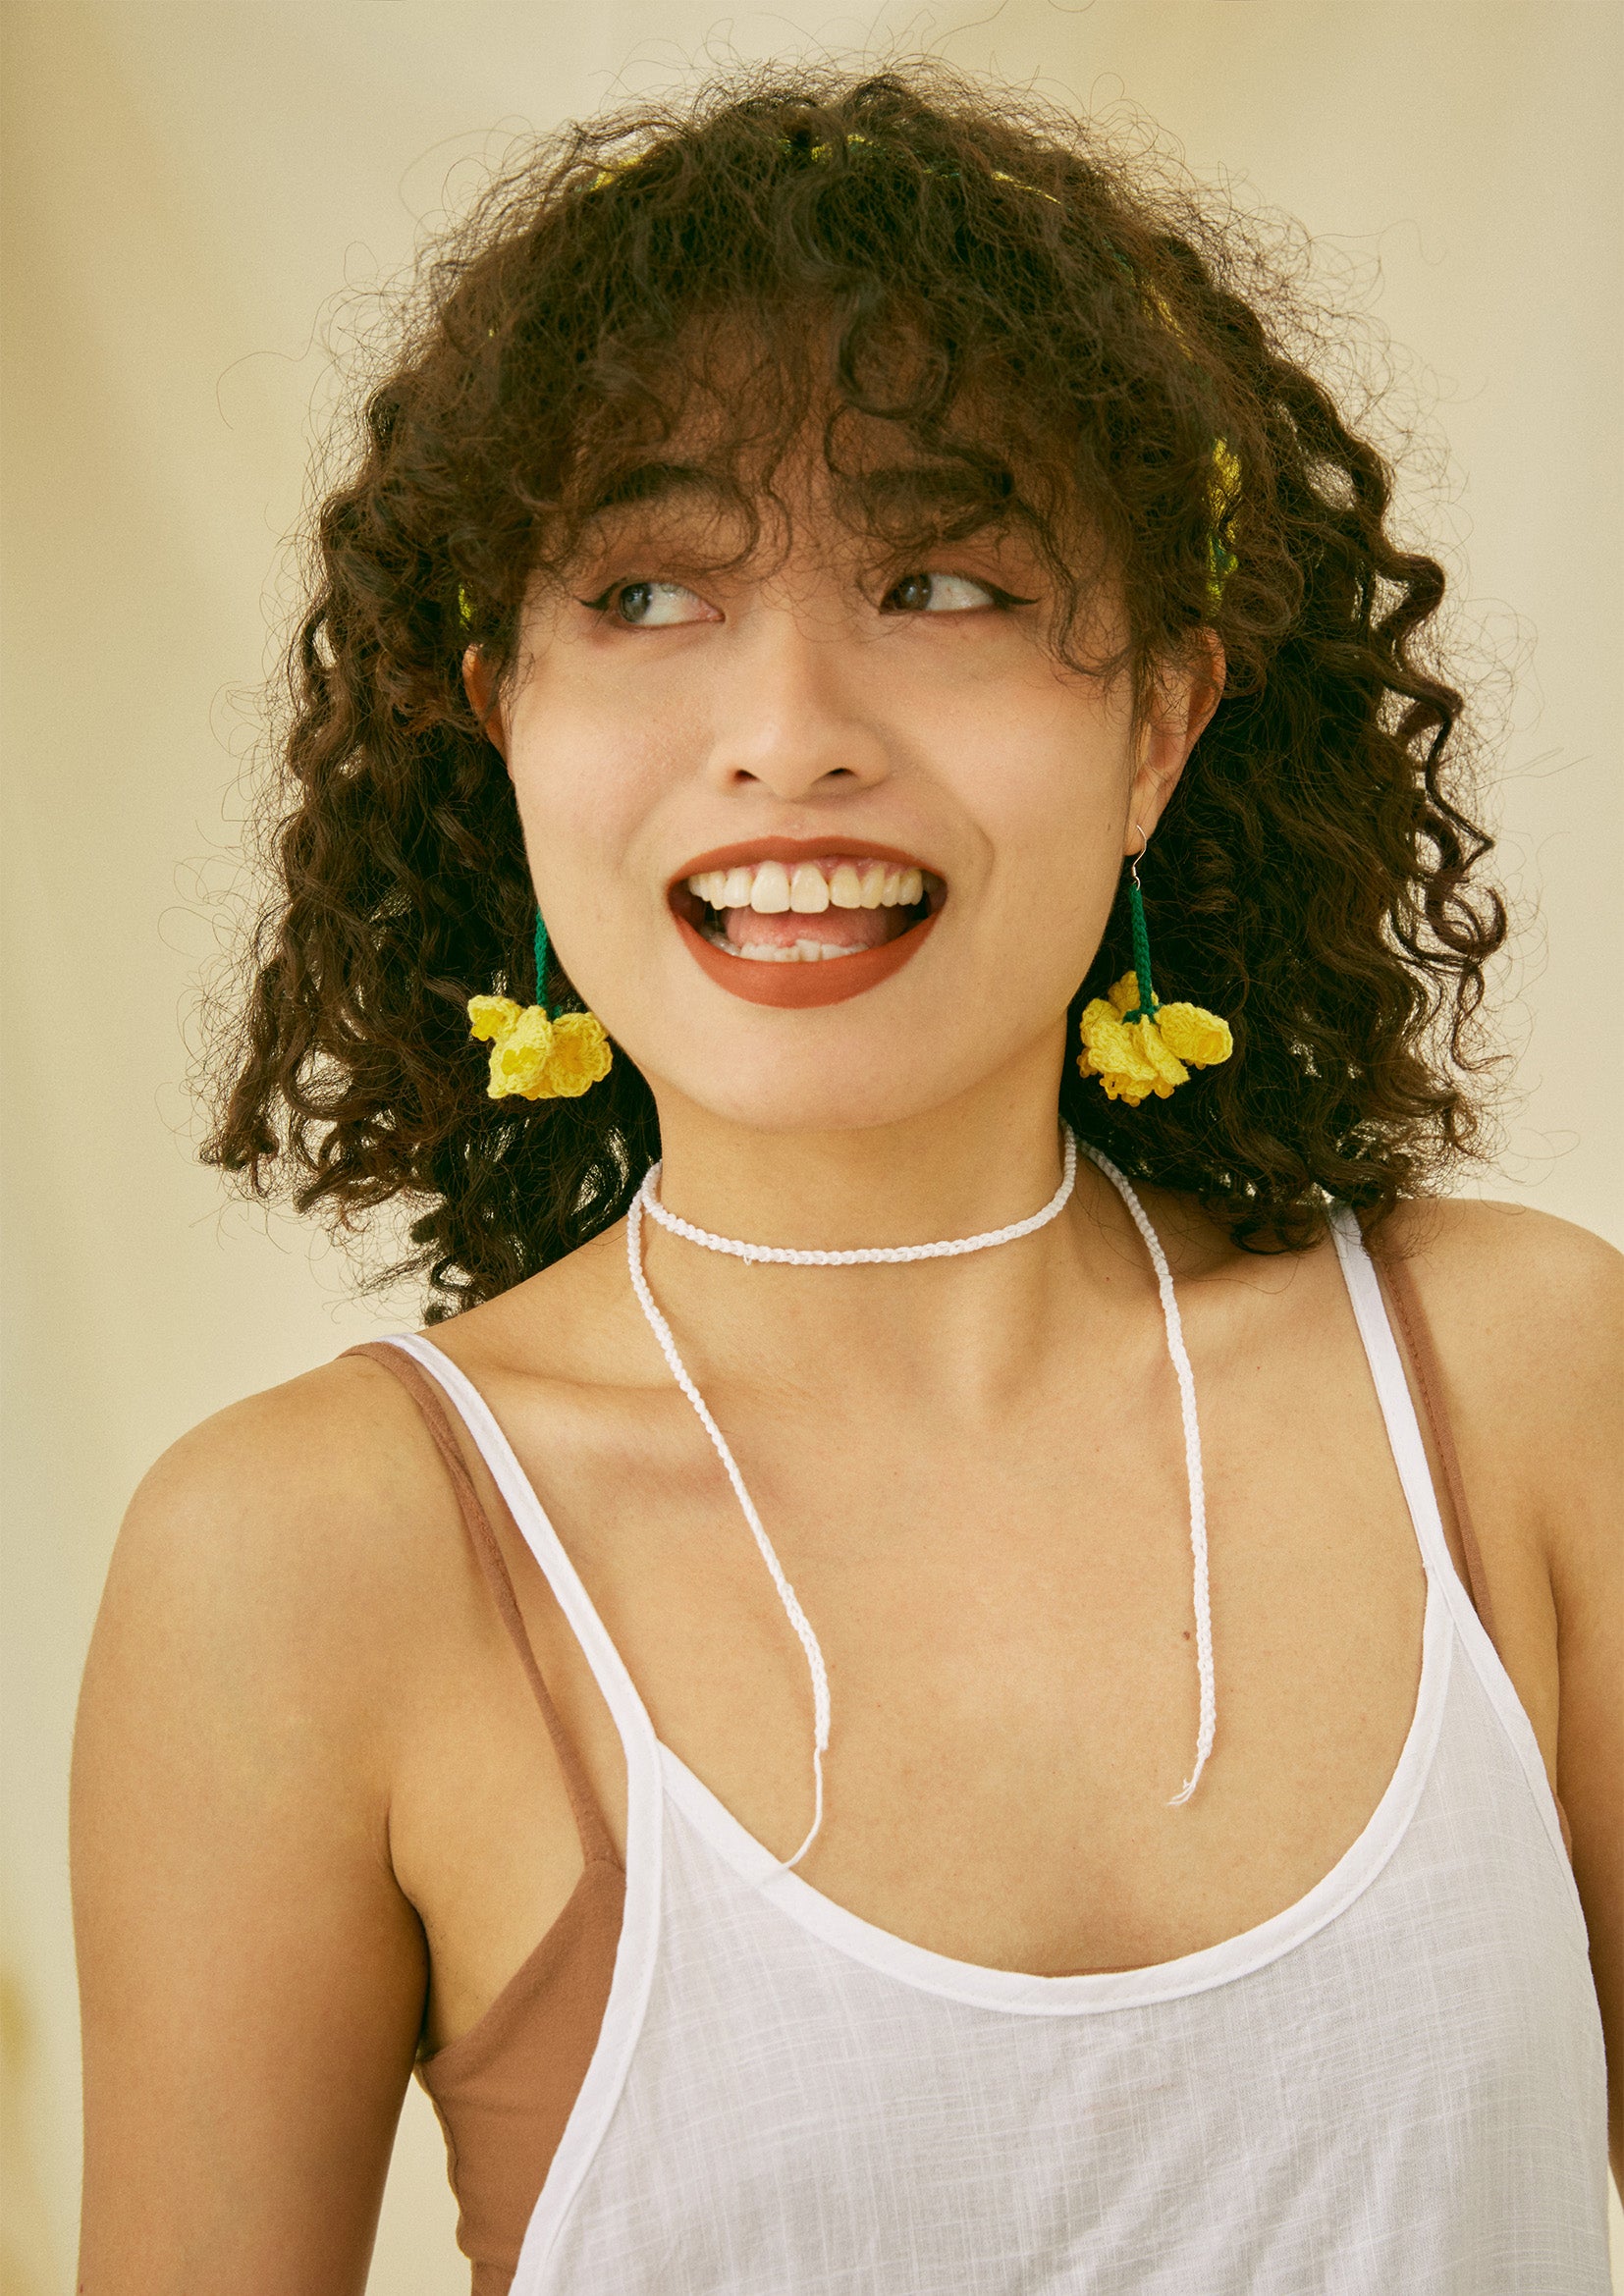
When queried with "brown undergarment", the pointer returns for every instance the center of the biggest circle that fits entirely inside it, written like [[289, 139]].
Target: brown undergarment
[[504, 2088]]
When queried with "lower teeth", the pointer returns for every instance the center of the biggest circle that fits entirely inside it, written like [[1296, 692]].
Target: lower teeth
[[798, 953]]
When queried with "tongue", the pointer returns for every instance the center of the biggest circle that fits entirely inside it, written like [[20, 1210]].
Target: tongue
[[843, 928]]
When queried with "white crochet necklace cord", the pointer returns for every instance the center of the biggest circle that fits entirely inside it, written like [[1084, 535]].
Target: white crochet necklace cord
[[647, 1200]]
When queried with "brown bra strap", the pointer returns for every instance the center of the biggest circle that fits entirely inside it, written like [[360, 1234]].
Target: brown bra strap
[[596, 1840], [1412, 1321]]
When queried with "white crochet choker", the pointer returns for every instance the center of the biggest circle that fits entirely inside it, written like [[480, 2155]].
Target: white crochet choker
[[879, 1255], [646, 1200]]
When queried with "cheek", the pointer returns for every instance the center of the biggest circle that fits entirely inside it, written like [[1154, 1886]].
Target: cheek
[[583, 780], [1046, 778]]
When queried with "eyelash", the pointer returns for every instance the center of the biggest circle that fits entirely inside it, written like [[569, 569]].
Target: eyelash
[[1002, 599]]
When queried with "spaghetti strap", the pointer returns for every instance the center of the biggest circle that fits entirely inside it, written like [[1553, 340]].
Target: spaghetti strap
[[1411, 1319], [597, 1843]]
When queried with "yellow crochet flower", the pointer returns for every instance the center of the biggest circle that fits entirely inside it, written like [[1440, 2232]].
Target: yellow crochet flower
[[1135, 1058], [1193, 1034], [581, 1055], [535, 1057]]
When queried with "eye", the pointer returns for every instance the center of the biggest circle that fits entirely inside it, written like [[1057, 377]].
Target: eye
[[651, 605], [945, 594]]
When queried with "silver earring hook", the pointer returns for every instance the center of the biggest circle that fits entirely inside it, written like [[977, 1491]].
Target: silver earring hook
[[1144, 842]]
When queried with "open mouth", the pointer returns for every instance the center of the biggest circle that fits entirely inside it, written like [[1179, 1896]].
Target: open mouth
[[790, 923]]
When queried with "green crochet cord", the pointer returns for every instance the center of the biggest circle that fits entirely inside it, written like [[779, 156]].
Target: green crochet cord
[[541, 965], [1144, 1009]]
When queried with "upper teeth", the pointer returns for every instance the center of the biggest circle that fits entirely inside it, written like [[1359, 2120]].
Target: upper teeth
[[770, 888]]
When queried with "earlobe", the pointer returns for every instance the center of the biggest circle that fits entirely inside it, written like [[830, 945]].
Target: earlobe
[[1163, 750], [480, 688]]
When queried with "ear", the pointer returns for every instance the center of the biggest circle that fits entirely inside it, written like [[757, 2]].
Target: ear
[[480, 687], [1186, 695]]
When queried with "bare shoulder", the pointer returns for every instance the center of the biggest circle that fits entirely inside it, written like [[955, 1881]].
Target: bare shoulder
[[302, 1515], [1527, 1312], [303, 1474], [1539, 1296], [290, 1544], [1486, 1232]]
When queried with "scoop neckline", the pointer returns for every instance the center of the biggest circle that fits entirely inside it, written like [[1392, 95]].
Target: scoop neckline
[[1030, 1994]]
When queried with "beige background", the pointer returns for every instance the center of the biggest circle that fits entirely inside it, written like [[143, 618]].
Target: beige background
[[197, 193]]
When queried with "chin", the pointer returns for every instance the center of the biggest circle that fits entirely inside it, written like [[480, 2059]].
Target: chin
[[928, 1033], [839, 1069]]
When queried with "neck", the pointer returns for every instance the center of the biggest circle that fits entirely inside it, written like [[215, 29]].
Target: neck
[[967, 1328], [976, 1163]]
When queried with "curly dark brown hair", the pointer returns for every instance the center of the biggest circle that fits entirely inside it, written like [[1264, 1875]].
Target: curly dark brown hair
[[1065, 331]]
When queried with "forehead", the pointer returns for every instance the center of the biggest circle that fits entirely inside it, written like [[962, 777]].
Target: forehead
[[736, 420]]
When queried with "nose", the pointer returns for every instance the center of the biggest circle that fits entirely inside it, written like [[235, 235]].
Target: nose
[[790, 717]]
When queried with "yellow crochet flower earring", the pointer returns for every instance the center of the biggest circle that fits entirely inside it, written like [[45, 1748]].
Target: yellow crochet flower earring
[[1136, 1045], [532, 1053]]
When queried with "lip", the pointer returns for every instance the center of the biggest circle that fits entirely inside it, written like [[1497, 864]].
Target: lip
[[799, 987], [794, 849]]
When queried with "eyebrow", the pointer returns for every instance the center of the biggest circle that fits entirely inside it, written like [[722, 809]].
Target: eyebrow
[[654, 482], [902, 488], [929, 490]]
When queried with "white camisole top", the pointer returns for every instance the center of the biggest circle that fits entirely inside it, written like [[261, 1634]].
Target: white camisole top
[[1394, 2085]]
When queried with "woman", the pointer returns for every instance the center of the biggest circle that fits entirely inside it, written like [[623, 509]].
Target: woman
[[1021, 1758]]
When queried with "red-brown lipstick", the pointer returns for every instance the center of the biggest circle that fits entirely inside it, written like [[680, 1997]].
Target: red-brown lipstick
[[758, 915]]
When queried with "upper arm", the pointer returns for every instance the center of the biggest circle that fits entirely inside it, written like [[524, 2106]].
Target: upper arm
[[1527, 1316], [1585, 1336], [251, 1975]]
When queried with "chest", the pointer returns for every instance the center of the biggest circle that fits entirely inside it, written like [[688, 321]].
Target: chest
[[1003, 1601], [1008, 1628]]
